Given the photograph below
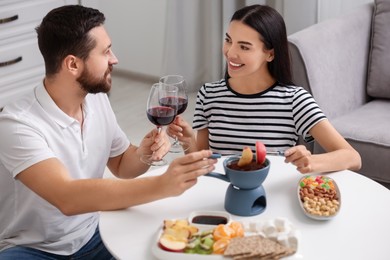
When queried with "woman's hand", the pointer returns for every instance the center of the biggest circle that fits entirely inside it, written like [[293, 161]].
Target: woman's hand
[[181, 129], [301, 158], [156, 143]]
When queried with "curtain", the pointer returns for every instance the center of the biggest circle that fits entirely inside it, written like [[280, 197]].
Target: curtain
[[193, 39]]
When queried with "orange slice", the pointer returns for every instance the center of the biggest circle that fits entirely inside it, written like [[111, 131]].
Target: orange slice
[[220, 246], [223, 231], [238, 229]]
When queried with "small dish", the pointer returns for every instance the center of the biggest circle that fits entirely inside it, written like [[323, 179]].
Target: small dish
[[319, 197], [209, 219]]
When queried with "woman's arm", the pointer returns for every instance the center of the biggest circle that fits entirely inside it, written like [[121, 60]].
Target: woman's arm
[[340, 155]]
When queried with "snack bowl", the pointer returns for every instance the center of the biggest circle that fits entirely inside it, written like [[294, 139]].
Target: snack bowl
[[319, 197]]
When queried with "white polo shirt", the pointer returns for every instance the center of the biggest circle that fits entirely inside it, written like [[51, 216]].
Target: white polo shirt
[[34, 129]]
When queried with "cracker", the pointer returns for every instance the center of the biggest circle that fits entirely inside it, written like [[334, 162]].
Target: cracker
[[256, 247], [242, 245]]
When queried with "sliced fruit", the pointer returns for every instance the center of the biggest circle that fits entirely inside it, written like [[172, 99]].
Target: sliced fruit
[[238, 229], [180, 234], [193, 230], [169, 243], [246, 157], [182, 222], [261, 152], [168, 223], [207, 243], [222, 231], [220, 245]]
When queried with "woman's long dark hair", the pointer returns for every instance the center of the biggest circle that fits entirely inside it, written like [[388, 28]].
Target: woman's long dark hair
[[272, 29]]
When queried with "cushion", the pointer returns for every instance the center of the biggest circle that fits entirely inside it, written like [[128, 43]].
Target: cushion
[[378, 84], [367, 130]]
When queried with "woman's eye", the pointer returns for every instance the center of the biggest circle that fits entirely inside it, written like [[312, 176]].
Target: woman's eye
[[244, 48], [227, 40]]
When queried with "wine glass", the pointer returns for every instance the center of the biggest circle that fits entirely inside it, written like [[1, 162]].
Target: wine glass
[[161, 109], [182, 100]]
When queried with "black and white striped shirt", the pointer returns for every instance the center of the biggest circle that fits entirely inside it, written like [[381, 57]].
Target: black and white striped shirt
[[275, 117]]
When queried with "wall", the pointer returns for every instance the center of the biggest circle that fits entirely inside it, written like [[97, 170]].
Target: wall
[[137, 31], [299, 14], [137, 26]]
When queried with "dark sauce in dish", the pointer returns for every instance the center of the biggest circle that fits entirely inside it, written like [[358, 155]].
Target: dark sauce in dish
[[209, 220]]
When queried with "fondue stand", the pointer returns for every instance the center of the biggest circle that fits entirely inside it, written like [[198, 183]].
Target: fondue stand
[[360, 230], [245, 196]]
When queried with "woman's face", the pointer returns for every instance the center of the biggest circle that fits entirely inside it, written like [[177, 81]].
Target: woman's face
[[244, 51]]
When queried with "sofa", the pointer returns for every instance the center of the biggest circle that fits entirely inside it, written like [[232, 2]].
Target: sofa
[[344, 63]]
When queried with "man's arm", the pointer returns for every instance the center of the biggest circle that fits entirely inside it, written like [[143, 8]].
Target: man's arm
[[50, 180]]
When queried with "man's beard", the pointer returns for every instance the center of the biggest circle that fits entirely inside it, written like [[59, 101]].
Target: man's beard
[[92, 85]]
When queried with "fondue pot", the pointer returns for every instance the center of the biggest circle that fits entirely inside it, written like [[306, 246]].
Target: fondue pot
[[245, 196]]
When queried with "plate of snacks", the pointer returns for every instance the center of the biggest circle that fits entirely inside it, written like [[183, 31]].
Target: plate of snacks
[[319, 197], [186, 239]]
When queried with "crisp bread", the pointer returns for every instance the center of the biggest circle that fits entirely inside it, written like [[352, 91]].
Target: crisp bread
[[256, 247]]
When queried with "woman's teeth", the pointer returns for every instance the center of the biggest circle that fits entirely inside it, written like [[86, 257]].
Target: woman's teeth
[[235, 64]]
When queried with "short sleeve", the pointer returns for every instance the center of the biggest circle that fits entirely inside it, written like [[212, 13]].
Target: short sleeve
[[200, 119], [306, 113]]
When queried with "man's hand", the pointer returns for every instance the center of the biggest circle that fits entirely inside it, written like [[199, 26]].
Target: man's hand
[[183, 172]]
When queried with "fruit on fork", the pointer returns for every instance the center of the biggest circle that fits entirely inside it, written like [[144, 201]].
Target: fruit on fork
[[261, 152], [246, 157]]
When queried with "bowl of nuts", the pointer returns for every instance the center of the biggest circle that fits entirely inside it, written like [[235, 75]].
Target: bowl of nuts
[[319, 197]]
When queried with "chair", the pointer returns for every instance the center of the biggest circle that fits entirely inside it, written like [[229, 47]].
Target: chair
[[344, 63]]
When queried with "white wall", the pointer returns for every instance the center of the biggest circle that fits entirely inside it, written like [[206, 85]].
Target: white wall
[[299, 14], [137, 27]]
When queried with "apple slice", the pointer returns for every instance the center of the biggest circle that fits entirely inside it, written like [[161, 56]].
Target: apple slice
[[168, 223], [169, 243], [179, 233], [246, 157], [261, 152]]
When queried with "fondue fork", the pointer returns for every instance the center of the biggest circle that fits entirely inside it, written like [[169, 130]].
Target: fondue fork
[[278, 153]]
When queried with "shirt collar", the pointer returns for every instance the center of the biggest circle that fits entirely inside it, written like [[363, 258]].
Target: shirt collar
[[54, 111]]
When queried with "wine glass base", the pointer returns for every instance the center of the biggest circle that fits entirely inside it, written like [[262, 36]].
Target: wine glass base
[[179, 147], [147, 159]]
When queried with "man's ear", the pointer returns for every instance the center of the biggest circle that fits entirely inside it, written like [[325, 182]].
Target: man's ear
[[72, 64]]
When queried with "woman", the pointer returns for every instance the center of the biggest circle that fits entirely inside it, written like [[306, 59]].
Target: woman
[[256, 100]]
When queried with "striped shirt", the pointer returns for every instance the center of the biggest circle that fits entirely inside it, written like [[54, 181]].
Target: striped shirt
[[276, 117]]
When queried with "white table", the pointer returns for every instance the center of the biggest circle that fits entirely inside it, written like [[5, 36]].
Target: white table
[[361, 230]]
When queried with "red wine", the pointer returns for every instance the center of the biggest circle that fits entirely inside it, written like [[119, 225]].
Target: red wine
[[161, 115], [171, 102]]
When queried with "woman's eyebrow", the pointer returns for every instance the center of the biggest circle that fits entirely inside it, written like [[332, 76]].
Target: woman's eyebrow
[[240, 42]]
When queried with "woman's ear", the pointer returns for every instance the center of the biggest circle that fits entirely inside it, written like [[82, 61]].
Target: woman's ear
[[271, 55]]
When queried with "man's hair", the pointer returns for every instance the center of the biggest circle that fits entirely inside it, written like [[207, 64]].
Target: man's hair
[[64, 31]]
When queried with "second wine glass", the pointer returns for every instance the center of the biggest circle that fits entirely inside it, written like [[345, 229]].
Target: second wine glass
[[182, 100], [161, 110]]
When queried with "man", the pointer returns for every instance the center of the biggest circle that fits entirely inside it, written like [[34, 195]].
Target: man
[[56, 142]]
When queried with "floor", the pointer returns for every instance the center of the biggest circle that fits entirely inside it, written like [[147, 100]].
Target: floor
[[128, 98]]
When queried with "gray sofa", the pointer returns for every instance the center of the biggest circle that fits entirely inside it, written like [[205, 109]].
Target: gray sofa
[[345, 63]]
